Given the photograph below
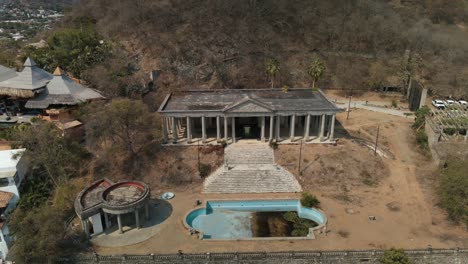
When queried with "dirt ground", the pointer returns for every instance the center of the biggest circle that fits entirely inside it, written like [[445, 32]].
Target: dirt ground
[[351, 184]]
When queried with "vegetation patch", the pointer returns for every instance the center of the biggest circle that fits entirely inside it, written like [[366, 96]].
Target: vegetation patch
[[453, 190], [394, 256], [309, 200]]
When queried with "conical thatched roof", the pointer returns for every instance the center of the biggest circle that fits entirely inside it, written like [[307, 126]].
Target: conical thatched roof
[[62, 90], [26, 83]]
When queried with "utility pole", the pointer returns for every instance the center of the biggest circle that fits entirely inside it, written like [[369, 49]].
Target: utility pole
[[300, 158], [349, 107], [377, 140]]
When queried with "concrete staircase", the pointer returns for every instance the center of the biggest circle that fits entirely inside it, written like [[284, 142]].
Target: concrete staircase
[[250, 168]]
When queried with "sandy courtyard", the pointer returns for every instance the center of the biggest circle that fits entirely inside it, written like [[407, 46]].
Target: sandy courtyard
[[398, 192]]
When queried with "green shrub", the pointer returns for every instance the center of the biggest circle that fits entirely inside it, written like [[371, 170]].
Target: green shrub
[[453, 190], [204, 169], [300, 225], [394, 256], [223, 143], [420, 118], [394, 103], [422, 140], [450, 131], [309, 200], [273, 145]]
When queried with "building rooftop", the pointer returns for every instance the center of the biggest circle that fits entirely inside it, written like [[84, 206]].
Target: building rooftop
[[26, 82], [5, 198], [8, 161], [297, 99], [62, 90]]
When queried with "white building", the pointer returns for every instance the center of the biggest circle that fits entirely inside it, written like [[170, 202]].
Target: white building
[[13, 168], [5, 207]]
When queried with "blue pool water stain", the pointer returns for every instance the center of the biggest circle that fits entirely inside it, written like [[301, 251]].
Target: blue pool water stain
[[231, 219], [224, 224]]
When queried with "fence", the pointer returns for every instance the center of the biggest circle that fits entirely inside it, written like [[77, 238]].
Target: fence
[[439, 256]]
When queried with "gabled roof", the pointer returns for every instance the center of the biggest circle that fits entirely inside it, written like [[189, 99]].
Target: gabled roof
[[271, 100], [62, 90], [30, 78], [248, 105]]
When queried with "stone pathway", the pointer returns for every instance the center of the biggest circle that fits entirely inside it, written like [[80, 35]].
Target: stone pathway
[[250, 168]]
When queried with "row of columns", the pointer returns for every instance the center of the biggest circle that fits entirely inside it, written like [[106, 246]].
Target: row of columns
[[85, 222], [175, 125]]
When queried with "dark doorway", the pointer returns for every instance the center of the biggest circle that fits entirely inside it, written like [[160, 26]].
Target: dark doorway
[[247, 127]]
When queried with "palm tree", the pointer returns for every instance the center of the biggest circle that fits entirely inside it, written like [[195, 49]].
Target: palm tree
[[272, 69], [316, 70]]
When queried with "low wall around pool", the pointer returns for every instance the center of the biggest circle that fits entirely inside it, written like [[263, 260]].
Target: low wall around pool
[[313, 214]]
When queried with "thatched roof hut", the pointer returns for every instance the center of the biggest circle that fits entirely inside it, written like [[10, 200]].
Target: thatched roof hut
[[27, 83], [62, 90]]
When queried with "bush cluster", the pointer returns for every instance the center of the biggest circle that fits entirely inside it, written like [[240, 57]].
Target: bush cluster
[[309, 200]]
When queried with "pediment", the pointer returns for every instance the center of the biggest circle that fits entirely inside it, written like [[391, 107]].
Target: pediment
[[248, 105]]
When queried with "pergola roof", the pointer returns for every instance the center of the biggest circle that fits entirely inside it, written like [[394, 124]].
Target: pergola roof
[[25, 83], [62, 90], [254, 100]]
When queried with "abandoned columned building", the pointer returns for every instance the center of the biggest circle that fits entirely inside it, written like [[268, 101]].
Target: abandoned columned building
[[214, 116], [103, 203]]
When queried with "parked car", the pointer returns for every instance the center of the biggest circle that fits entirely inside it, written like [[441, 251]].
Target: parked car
[[451, 102], [439, 104], [463, 102]]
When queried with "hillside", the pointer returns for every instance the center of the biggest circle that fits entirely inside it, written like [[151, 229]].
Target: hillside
[[224, 44]]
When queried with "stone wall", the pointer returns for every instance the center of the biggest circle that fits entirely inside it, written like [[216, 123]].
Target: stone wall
[[443, 150], [428, 256]]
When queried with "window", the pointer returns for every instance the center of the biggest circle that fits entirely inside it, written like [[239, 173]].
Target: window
[[4, 182]]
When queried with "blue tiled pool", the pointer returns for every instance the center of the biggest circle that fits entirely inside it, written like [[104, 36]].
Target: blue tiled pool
[[231, 219]]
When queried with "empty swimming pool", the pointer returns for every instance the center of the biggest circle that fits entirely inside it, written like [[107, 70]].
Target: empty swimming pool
[[232, 219]]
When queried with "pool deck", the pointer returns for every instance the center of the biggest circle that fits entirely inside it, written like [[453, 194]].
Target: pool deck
[[172, 235], [160, 211]]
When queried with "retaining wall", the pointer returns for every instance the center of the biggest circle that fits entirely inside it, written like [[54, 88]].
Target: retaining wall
[[441, 151], [427, 256]]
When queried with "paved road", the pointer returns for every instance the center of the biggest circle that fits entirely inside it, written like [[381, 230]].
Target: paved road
[[375, 106]]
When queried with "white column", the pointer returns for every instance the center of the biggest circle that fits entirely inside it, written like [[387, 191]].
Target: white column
[[307, 128], [272, 121], [322, 127], [174, 130], [203, 125], [169, 124], [137, 219], [262, 138], [84, 223], [164, 130], [189, 130], [332, 127], [218, 129], [119, 222], [233, 129], [278, 128], [292, 127], [225, 129]]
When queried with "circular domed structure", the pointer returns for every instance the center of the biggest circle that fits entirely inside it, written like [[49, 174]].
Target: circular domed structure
[[125, 197], [108, 199]]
